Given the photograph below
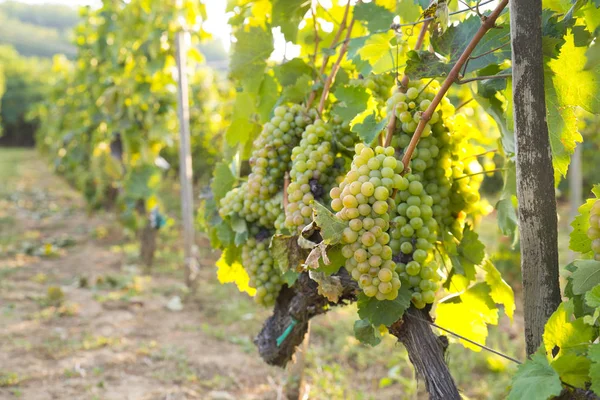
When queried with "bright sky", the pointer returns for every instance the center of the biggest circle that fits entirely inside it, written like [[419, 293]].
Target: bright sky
[[216, 24]]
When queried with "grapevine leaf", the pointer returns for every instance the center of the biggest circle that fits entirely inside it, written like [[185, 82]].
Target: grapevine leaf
[[286, 252], [225, 233], [288, 14], [288, 73], [330, 286], [425, 64], [297, 92], [457, 37], [379, 53], [573, 369], [238, 224], [592, 297], [507, 217], [290, 277], [318, 253], [579, 240], [222, 181], [141, 181], [535, 380], [331, 226], [575, 85], [580, 308], [234, 273], [352, 100], [500, 292], [593, 57], [268, 95], [248, 59], [383, 312], [354, 45], [562, 127], [377, 18], [240, 238], [242, 127], [336, 260], [594, 356], [586, 276], [496, 109], [469, 314], [366, 333], [471, 252], [369, 128], [561, 335]]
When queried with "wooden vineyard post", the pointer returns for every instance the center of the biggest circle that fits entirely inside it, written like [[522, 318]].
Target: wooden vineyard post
[[538, 223], [185, 163]]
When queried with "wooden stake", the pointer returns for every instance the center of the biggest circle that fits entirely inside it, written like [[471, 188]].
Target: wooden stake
[[185, 163]]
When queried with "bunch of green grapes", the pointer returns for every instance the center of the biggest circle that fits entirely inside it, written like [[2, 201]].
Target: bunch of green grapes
[[594, 229], [414, 233], [363, 199], [342, 134], [447, 179], [380, 85], [312, 173], [260, 266], [273, 150], [266, 213]]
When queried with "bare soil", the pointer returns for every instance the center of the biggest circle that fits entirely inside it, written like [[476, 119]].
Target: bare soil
[[103, 342]]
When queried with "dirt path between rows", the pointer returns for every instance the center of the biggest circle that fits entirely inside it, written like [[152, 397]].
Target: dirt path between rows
[[78, 321]]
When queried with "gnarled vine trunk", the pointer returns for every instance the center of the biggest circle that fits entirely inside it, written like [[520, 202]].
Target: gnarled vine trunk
[[535, 176], [297, 305]]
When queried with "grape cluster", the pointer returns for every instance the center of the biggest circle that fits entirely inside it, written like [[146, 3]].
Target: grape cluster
[[594, 229], [414, 234], [273, 149], [259, 200], [312, 173], [363, 200], [260, 266], [342, 134], [265, 213], [445, 186], [379, 85]]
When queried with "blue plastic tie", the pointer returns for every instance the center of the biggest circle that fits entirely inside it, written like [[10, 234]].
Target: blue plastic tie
[[286, 333]]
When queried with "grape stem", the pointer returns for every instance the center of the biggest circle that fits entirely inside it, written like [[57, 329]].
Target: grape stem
[[391, 127], [286, 183], [486, 24], [341, 29], [336, 67]]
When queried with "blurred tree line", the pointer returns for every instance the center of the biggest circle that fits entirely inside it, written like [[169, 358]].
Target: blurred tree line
[[30, 35], [38, 30]]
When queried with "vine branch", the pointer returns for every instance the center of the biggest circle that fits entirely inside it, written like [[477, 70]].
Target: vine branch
[[341, 29], [487, 24], [336, 67]]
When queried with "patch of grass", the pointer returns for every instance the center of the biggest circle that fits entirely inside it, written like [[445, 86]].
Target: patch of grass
[[57, 347], [178, 368], [8, 378]]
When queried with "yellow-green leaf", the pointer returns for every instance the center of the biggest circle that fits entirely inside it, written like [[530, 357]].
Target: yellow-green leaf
[[561, 335], [469, 315], [501, 292], [234, 273]]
